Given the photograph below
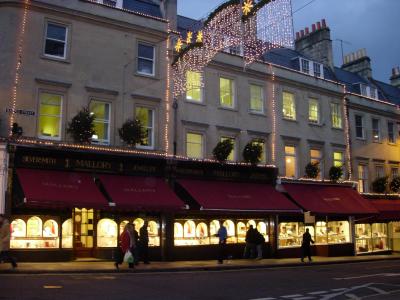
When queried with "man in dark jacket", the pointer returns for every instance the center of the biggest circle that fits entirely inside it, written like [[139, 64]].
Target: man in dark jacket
[[249, 250], [144, 243], [305, 246]]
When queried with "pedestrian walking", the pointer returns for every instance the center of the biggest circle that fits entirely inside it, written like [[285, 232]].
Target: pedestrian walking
[[222, 234], [127, 245], [249, 249], [5, 235], [305, 245], [144, 242], [136, 247]]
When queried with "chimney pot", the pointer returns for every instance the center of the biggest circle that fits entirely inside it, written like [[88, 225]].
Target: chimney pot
[[396, 71], [302, 33], [297, 35], [323, 23], [307, 31], [314, 27], [318, 25]]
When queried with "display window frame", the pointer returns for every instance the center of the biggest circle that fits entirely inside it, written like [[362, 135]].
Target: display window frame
[[154, 222], [372, 240]]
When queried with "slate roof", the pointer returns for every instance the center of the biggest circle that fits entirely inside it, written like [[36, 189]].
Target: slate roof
[[186, 24], [143, 6]]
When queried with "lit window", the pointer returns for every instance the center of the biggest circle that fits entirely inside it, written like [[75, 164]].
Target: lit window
[[376, 132], [194, 145], [338, 159], [289, 107], [316, 157], [226, 92], [336, 115], [256, 98], [362, 179], [101, 111], [290, 161], [391, 134], [394, 172], [34, 227], [313, 111], [146, 54], [338, 232], [107, 233], [360, 132], [50, 116], [146, 118], [56, 40], [67, 234], [262, 144], [232, 155], [193, 86], [290, 234]]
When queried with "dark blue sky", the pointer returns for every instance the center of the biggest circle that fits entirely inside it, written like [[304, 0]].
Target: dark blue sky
[[370, 24]]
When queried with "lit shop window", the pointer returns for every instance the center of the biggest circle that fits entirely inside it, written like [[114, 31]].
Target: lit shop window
[[290, 161], [230, 228], [122, 226], [379, 237], [371, 238], [288, 106], [194, 145], [146, 118], [226, 92], [193, 86], [338, 232], [138, 223], [34, 234], [336, 115], [101, 111], [84, 229], [313, 111], [256, 98], [107, 231], [320, 233], [50, 111], [153, 230], [67, 234], [189, 229], [232, 155], [178, 230], [241, 232], [262, 228], [290, 234]]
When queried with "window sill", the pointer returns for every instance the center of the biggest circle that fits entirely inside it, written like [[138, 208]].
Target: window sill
[[290, 120], [201, 103], [54, 58], [48, 138], [151, 148], [259, 114], [338, 128], [315, 124], [146, 76], [227, 108]]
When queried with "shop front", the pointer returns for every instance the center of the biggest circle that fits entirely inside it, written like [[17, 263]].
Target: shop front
[[332, 210]]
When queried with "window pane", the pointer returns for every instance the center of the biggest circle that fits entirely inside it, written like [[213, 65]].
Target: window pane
[[290, 150], [338, 232], [193, 86], [391, 132], [145, 66], [101, 110], [146, 51], [290, 161], [145, 116], [336, 115], [359, 126], [256, 98], [231, 156], [56, 32], [55, 48], [262, 144], [313, 111], [289, 109], [194, 145], [375, 130], [226, 92], [50, 115]]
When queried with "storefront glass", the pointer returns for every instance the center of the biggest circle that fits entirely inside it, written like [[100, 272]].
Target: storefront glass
[[67, 234], [379, 237], [290, 234], [372, 237], [395, 232], [153, 230], [338, 232], [107, 233]]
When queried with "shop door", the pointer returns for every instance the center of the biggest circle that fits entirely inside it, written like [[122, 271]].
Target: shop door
[[83, 232]]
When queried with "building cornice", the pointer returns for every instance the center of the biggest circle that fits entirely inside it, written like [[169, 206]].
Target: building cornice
[[373, 110]]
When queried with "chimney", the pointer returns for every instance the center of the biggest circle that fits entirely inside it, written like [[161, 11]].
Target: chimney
[[395, 78], [169, 11], [317, 44], [358, 62]]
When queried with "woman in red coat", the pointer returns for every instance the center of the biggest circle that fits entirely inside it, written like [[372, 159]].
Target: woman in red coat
[[127, 242]]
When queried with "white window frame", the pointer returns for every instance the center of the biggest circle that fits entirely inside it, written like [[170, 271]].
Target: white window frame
[[319, 160], [146, 127], [336, 113], [45, 137], [103, 121], [118, 3], [362, 137], [261, 99], [310, 100], [202, 144], [49, 22], [293, 108], [232, 92], [368, 91], [262, 143], [290, 155], [314, 68], [362, 178], [147, 59], [376, 132]]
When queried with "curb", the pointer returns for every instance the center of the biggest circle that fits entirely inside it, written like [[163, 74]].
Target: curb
[[215, 268]]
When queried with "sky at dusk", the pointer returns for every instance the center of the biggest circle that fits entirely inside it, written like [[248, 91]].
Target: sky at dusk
[[370, 24]]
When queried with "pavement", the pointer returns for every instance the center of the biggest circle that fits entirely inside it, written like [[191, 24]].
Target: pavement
[[82, 266]]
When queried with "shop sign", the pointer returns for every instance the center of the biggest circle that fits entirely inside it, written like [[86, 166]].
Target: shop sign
[[24, 112]]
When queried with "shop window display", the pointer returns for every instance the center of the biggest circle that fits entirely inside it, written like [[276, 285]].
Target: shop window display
[[152, 228], [371, 238], [290, 234], [122, 226], [338, 232], [34, 235], [241, 232], [262, 228], [214, 226], [379, 237], [107, 231], [67, 233], [321, 233], [395, 232], [230, 228], [83, 230]]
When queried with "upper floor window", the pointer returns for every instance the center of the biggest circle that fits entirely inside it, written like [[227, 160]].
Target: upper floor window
[[362, 179], [338, 159], [379, 171], [232, 155], [113, 3], [101, 111], [56, 40], [289, 106], [146, 58], [313, 111], [360, 132], [193, 86], [316, 157], [311, 68], [261, 142], [194, 145], [376, 131], [368, 91], [290, 161], [394, 172], [226, 94], [256, 98], [336, 114], [50, 116], [146, 118], [391, 134]]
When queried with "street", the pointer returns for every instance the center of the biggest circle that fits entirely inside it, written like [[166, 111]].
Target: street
[[372, 280]]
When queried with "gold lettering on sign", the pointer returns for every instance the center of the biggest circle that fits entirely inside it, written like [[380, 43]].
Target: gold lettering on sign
[[226, 174], [142, 168], [39, 160], [92, 164]]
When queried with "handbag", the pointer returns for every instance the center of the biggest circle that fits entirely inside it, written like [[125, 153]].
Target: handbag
[[128, 257]]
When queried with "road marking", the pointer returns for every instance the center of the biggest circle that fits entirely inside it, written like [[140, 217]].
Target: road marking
[[367, 276], [292, 296], [318, 293], [270, 298], [52, 287], [304, 298], [379, 291], [339, 290], [352, 296]]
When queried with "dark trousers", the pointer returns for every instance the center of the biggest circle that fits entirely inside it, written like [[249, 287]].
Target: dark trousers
[[6, 256], [249, 250], [144, 252], [306, 252], [221, 251]]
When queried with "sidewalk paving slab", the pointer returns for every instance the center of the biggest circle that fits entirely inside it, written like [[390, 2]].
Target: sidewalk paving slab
[[102, 266]]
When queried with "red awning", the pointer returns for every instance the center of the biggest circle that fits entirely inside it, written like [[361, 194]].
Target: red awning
[[55, 189], [388, 209], [329, 199], [236, 196], [140, 193]]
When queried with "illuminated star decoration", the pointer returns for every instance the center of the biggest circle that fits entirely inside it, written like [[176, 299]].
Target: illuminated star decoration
[[178, 45], [199, 38], [247, 6], [189, 37]]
